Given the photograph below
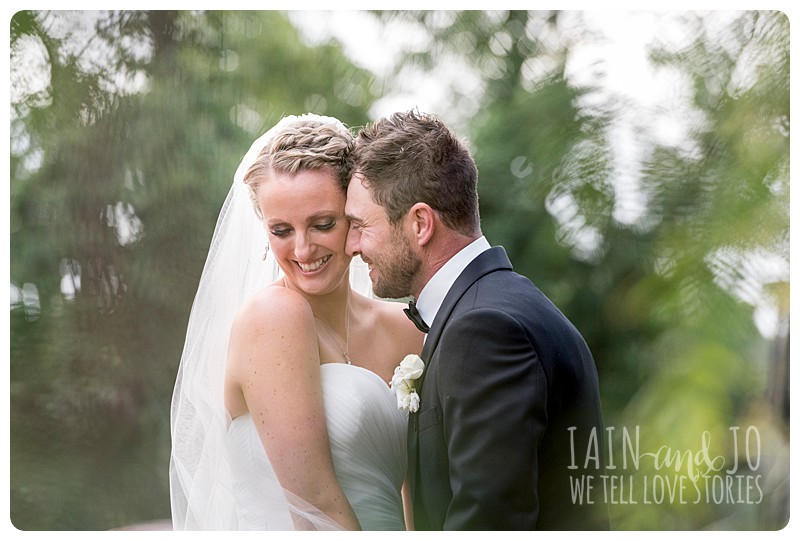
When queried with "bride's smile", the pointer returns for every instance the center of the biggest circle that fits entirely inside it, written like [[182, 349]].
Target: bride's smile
[[303, 213], [315, 265]]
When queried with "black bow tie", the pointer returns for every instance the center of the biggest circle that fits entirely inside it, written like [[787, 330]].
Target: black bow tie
[[413, 315]]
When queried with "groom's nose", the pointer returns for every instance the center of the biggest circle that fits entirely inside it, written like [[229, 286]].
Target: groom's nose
[[352, 245]]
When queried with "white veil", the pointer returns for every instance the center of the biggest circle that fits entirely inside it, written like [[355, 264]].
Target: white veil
[[201, 490]]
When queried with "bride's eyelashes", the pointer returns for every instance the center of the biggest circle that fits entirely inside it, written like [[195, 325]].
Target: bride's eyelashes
[[280, 232], [325, 226]]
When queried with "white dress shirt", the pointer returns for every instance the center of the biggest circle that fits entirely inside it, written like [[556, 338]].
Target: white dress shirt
[[432, 295]]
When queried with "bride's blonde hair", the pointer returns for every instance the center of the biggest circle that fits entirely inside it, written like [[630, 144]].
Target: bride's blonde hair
[[303, 145]]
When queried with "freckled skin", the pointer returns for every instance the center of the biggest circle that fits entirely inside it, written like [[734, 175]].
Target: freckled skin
[[275, 352]]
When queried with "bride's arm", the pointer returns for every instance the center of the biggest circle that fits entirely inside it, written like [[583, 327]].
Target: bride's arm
[[273, 370]]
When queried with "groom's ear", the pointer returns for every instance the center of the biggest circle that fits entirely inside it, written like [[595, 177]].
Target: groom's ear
[[422, 222]]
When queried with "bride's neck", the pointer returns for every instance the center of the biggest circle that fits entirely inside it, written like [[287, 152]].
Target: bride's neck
[[331, 307]]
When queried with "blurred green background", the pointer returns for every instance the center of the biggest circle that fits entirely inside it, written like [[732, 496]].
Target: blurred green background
[[660, 226]]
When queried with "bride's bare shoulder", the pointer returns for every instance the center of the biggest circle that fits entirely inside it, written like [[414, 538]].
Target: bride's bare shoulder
[[391, 310], [276, 305], [391, 318], [275, 331]]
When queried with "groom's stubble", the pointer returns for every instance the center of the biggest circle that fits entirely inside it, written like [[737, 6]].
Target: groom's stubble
[[397, 267]]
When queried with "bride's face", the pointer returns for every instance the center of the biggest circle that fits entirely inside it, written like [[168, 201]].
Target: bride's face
[[306, 227]]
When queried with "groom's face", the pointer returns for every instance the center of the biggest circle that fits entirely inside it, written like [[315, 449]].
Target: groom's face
[[393, 265]]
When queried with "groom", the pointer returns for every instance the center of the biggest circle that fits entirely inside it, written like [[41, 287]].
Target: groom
[[509, 416]]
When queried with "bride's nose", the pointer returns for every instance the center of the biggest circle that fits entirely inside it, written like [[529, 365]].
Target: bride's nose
[[303, 247]]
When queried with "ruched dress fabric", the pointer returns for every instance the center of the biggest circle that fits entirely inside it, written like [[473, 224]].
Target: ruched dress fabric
[[367, 434]]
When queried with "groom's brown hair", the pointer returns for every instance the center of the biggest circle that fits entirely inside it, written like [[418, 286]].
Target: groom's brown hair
[[413, 157]]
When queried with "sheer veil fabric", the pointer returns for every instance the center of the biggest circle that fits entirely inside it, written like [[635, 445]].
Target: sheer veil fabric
[[201, 489]]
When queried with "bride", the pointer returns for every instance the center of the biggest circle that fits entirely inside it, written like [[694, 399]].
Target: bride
[[282, 417]]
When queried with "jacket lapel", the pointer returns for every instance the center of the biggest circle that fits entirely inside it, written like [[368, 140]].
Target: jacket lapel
[[489, 261]]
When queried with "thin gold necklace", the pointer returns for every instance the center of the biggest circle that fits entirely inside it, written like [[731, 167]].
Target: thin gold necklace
[[332, 336]]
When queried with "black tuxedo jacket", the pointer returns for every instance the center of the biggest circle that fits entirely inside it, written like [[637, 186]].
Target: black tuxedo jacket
[[506, 377]]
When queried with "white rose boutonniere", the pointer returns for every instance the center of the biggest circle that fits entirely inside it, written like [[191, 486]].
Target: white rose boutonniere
[[404, 382]]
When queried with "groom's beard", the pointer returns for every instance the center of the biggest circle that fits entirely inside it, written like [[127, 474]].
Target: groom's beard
[[397, 267]]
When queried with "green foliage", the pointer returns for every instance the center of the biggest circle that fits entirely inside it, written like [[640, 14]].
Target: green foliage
[[125, 198]]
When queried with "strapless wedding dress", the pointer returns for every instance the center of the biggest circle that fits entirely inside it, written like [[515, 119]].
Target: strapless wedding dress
[[368, 441]]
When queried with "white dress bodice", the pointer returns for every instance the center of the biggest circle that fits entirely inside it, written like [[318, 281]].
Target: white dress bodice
[[367, 434]]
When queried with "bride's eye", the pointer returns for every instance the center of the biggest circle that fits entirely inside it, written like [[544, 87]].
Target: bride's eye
[[327, 226], [280, 232]]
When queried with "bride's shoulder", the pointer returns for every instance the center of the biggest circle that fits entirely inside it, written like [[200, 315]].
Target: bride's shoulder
[[389, 316], [379, 309], [391, 310], [275, 304]]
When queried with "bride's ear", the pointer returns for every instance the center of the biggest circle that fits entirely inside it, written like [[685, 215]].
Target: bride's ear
[[422, 223]]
